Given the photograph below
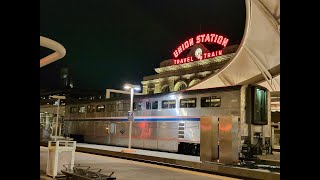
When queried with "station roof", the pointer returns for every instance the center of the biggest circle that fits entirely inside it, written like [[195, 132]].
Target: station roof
[[257, 60]]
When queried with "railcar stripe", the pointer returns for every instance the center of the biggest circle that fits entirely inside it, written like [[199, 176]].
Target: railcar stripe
[[138, 119]]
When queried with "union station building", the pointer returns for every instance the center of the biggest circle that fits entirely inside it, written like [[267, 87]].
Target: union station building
[[178, 74]]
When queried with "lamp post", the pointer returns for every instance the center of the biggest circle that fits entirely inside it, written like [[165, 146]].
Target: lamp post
[[130, 113], [57, 124]]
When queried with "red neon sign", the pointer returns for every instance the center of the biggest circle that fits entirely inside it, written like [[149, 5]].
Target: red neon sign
[[203, 38], [203, 56]]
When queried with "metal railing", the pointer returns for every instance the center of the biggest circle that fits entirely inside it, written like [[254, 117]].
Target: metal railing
[[81, 172]]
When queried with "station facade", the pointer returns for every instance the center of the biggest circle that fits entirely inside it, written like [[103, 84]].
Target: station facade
[[194, 60]]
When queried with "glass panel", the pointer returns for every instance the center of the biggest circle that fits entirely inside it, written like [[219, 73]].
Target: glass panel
[[137, 106], [188, 103], [261, 110], [155, 105], [152, 105], [73, 109], [111, 107], [168, 104], [82, 109], [182, 86], [91, 109], [212, 101], [148, 105], [166, 89], [100, 108]]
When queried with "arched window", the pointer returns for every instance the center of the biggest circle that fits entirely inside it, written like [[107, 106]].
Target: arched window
[[165, 89], [151, 91], [180, 86], [194, 81]]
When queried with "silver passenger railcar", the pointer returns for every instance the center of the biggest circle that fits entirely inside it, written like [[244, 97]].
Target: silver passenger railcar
[[171, 121]]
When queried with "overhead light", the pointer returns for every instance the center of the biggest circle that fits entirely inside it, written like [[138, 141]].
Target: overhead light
[[127, 87]]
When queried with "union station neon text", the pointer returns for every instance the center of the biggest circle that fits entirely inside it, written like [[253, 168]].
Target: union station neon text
[[202, 57], [203, 38]]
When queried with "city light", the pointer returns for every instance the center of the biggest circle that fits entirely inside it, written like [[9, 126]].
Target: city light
[[126, 87], [130, 113]]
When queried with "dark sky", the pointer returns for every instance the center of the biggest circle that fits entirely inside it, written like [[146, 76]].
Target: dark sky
[[110, 42]]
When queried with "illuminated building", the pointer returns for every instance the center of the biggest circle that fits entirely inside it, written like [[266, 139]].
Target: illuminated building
[[196, 62]]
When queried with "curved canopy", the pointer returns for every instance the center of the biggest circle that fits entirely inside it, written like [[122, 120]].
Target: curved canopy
[[257, 60], [59, 53]]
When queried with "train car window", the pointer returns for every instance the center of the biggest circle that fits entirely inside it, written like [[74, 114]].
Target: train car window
[[82, 109], [152, 105], [155, 105], [188, 103], [123, 107], [212, 101], [137, 106], [111, 107], [100, 108], [74, 110], [91, 109], [148, 105], [168, 104]]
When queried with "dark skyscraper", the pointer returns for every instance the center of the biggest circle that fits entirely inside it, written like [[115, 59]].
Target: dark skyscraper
[[66, 80]]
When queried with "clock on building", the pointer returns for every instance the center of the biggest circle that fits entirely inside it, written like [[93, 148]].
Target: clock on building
[[198, 53]]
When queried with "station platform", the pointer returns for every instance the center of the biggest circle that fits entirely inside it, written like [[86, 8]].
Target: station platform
[[183, 161], [130, 170]]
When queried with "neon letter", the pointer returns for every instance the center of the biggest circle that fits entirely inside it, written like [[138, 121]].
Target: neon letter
[[175, 54], [225, 42], [215, 38], [179, 49], [212, 35], [207, 38], [198, 39], [202, 37], [186, 44], [191, 42], [220, 39], [204, 55]]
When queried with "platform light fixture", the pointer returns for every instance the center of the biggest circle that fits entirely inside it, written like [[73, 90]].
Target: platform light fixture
[[130, 87], [58, 104]]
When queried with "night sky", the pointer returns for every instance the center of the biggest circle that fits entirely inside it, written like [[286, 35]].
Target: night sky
[[111, 42]]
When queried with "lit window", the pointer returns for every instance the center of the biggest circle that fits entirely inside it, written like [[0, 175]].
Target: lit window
[[152, 105], [82, 109], [212, 101], [167, 104], [91, 109], [188, 103], [100, 108], [137, 106], [260, 106]]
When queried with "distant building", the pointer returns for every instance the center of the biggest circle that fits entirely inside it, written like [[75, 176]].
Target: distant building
[[71, 95], [65, 78]]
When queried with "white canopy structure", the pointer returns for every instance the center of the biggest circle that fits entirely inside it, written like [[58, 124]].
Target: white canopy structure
[[257, 60], [59, 53]]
